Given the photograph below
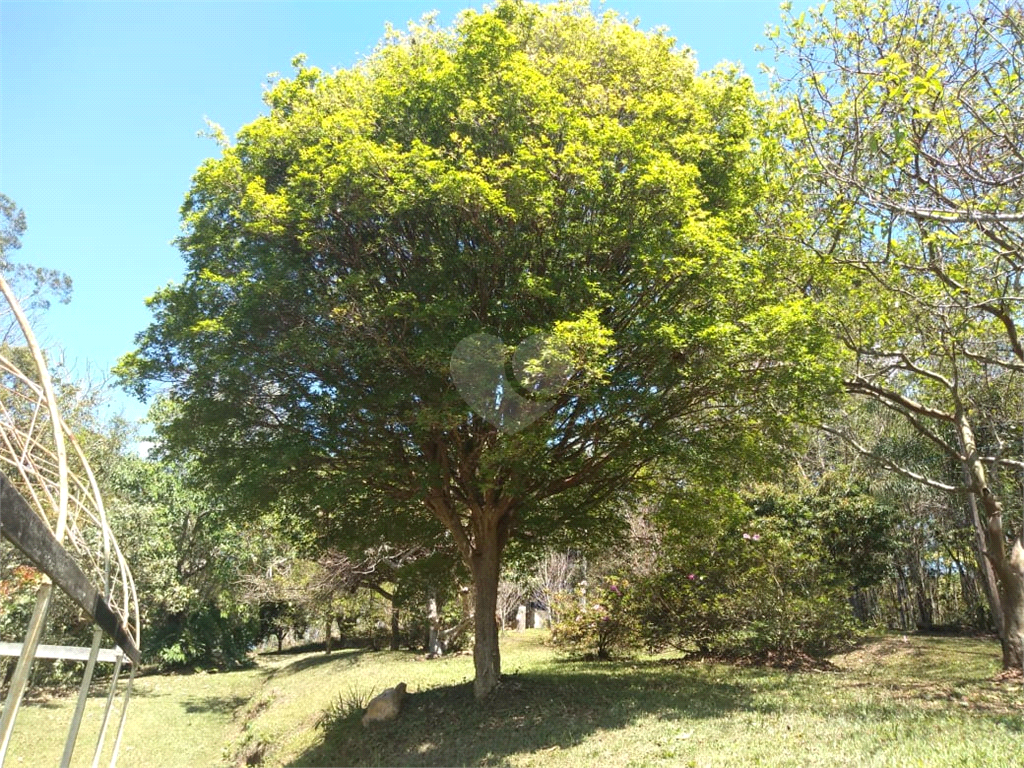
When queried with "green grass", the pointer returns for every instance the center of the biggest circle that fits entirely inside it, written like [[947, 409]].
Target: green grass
[[922, 701], [173, 720]]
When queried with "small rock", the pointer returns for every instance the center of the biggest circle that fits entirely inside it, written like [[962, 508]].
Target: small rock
[[385, 706]]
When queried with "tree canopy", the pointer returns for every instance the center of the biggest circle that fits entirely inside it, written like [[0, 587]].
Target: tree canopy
[[560, 181]]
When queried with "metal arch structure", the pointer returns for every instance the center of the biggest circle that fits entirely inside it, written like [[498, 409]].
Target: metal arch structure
[[51, 509]]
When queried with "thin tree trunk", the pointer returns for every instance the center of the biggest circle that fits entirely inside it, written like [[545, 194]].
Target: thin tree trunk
[[988, 576], [906, 608], [967, 592], [396, 637], [434, 622], [340, 621], [926, 619]]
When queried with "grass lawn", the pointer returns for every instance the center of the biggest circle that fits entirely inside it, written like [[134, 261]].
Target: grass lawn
[[173, 720], [914, 701]]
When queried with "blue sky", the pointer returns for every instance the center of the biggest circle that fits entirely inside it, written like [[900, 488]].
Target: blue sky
[[101, 103]]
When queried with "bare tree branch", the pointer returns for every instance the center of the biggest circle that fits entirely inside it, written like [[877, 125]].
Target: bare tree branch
[[887, 463]]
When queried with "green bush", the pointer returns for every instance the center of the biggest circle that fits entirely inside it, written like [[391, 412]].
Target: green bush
[[66, 623], [756, 592], [596, 622], [206, 636], [18, 586]]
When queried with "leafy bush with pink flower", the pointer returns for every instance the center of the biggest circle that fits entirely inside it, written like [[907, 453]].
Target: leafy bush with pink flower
[[597, 621]]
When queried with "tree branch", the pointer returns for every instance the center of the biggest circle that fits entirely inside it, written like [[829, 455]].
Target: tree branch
[[890, 465], [860, 385]]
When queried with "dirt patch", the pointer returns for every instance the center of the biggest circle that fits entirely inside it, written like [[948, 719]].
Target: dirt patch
[[794, 661], [791, 661], [873, 652]]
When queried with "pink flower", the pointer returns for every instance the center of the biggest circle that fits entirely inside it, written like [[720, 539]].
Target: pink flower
[[692, 576], [756, 537], [746, 535]]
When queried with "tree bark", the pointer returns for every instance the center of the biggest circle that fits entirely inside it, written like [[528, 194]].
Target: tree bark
[[480, 541], [434, 647], [989, 582], [926, 616], [1012, 594], [1009, 569], [905, 607], [486, 567], [396, 636]]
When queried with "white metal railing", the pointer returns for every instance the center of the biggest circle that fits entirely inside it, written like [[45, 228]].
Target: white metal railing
[[45, 469]]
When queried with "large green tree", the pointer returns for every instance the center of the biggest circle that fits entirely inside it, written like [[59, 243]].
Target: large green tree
[[912, 116], [484, 277]]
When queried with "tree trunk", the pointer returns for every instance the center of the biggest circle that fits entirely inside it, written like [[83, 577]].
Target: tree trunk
[[486, 567], [926, 618], [988, 576], [1009, 569], [340, 621], [1012, 595], [906, 608], [396, 636], [480, 541], [434, 622], [327, 636]]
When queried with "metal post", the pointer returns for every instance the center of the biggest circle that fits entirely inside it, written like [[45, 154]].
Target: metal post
[[124, 716], [83, 695], [106, 712], [28, 653]]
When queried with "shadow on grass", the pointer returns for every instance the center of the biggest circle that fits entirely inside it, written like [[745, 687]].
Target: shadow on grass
[[298, 650], [345, 657], [530, 712], [1011, 723], [223, 705], [40, 702], [318, 647]]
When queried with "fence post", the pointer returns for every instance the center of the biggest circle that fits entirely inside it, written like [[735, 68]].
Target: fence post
[[28, 655]]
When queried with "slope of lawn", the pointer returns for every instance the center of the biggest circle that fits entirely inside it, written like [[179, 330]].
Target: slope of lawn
[[897, 701]]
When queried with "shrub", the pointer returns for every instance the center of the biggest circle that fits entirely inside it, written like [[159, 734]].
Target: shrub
[[596, 622], [66, 623], [208, 635], [347, 705], [18, 586], [755, 592]]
